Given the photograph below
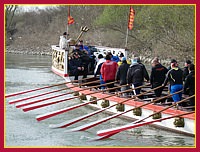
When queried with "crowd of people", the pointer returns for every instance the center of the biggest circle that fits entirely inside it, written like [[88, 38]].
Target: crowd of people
[[133, 73]]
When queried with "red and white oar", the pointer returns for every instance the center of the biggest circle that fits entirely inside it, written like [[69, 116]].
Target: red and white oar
[[29, 106], [47, 98], [57, 112], [140, 120], [75, 120], [36, 89], [112, 131]]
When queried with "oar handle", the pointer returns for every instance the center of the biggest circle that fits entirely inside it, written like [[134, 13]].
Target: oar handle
[[82, 84], [92, 87], [167, 96]]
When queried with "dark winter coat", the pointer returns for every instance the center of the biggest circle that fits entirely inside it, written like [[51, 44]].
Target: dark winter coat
[[185, 73], [74, 64], [174, 76], [158, 74], [190, 83], [136, 74], [122, 73]]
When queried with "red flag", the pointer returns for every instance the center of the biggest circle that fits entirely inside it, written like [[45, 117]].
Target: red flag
[[131, 18], [70, 18]]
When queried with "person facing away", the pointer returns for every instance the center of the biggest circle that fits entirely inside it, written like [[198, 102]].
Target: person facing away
[[108, 71], [97, 69], [143, 66], [136, 74], [185, 69], [63, 41], [174, 77], [190, 84], [122, 74], [76, 66], [157, 76]]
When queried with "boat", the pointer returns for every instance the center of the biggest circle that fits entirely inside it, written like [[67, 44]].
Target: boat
[[142, 109], [134, 108]]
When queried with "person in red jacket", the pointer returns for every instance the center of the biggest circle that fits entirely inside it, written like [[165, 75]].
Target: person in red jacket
[[108, 71]]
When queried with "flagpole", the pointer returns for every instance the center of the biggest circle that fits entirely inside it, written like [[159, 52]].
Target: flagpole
[[67, 20], [126, 38], [126, 41]]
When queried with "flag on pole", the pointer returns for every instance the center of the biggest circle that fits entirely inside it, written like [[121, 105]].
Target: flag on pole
[[131, 18], [70, 18]]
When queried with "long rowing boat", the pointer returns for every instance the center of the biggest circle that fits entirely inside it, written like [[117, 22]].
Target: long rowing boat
[[184, 124], [141, 109]]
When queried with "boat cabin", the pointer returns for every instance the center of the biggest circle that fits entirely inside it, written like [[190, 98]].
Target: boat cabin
[[60, 57]]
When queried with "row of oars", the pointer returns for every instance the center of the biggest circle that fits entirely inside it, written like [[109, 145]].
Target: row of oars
[[105, 133]]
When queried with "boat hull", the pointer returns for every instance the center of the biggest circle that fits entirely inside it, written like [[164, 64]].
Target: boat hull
[[189, 120]]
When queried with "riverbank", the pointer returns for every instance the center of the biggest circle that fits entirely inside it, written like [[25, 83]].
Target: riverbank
[[29, 50]]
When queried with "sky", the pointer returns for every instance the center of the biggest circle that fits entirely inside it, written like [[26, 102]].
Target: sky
[[33, 7]]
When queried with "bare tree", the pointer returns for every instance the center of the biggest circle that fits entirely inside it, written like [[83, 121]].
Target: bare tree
[[10, 11]]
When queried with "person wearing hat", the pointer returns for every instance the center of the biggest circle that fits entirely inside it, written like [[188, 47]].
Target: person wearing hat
[[136, 75], [76, 66], [77, 49], [157, 76], [120, 59], [174, 77], [122, 74], [185, 69], [63, 41], [113, 58], [83, 47]]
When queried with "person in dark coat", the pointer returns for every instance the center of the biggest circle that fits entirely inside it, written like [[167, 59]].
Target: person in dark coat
[[122, 74], [174, 77], [157, 77], [144, 68], [76, 66], [190, 84], [136, 74], [185, 69]]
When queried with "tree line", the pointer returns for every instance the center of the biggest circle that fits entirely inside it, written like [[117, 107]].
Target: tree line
[[159, 30]]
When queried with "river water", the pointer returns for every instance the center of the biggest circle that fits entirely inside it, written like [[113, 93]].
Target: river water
[[24, 72]]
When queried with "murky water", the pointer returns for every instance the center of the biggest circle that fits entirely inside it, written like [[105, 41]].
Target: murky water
[[25, 72]]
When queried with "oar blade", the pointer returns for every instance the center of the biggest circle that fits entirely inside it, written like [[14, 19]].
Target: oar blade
[[75, 120], [57, 112], [32, 90], [102, 137]]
